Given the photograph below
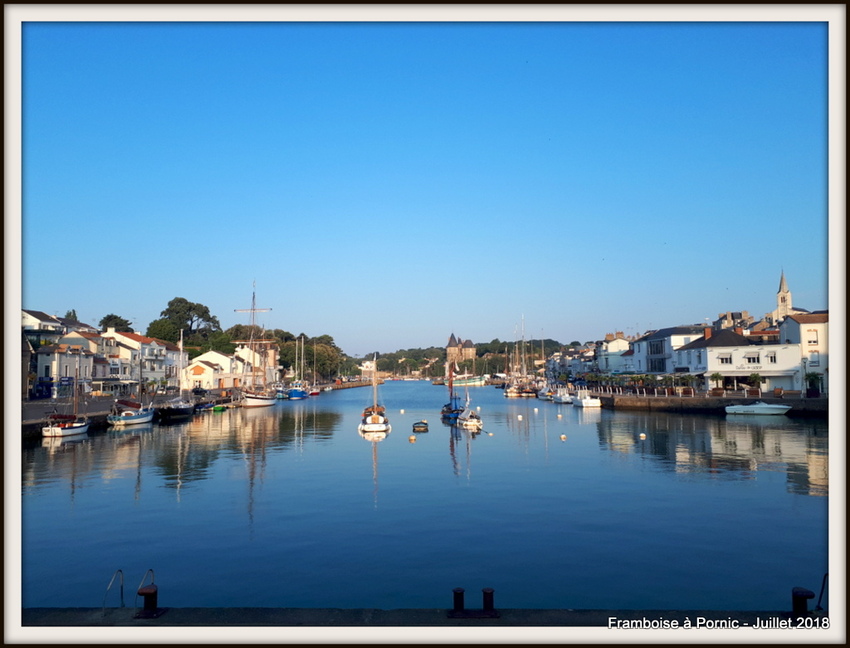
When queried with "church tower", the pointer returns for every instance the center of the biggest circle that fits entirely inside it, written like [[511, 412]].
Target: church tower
[[783, 301]]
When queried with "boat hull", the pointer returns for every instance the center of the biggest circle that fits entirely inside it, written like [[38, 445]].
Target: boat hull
[[759, 409], [65, 429], [254, 400], [131, 418]]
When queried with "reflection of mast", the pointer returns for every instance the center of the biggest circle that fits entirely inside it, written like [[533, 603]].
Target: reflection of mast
[[454, 435], [375, 470]]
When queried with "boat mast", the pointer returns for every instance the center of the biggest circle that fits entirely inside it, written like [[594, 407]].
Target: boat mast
[[251, 344]]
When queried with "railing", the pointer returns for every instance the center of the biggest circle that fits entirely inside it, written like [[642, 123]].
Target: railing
[[108, 587]]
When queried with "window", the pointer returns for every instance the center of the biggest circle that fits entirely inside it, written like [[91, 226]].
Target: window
[[771, 357], [812, 336], [751, 358], [814, 359], [724, 358]]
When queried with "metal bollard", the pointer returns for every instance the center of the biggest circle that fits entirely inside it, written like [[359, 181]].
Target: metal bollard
[[458, 599], [149, 594], [488, 599], [799, 598]]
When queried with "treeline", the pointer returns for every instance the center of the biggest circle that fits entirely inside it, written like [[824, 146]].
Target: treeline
[[320, 355]]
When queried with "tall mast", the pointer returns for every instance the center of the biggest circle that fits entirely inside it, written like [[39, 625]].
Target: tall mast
[[253, 310]]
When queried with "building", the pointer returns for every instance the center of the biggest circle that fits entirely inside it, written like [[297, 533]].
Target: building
[[458, 350]]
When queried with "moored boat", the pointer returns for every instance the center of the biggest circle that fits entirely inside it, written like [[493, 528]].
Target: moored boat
[[374, 421], [127, 412], [584, 399], [420, 426], [758, 407], [59, 425]]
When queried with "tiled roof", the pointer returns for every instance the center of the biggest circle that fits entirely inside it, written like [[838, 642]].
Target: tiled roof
[[812, 318]]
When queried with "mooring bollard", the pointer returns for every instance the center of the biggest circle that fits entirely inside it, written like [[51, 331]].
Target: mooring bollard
[[799, 598], [488, 598], [458, 599], [149, 594]]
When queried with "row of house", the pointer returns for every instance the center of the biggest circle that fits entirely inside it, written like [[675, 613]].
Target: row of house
[[792, 357], [58, 353]]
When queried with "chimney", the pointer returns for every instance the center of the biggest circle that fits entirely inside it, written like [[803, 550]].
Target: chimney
[[706, 333], [739, 330]]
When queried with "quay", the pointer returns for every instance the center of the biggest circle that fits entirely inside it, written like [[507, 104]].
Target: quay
[[34, 413]]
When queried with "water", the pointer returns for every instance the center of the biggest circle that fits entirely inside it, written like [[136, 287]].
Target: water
[[289, 507]]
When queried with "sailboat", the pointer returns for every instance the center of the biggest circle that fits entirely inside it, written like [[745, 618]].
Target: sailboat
[[177, 409], [255, 394], [59, 425], [469, 418], [375, 425], [452, 409], [298, 390], [131, 412]]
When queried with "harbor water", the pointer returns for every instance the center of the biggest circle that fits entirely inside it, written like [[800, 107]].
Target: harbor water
[[552, 506]]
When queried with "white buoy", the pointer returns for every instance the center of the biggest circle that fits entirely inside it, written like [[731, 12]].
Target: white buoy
[[478, 408], [490, 433], [535, 410], [402, 411], [411, 438], [519, 417], [560, 415], [642, 435], [563, 437]]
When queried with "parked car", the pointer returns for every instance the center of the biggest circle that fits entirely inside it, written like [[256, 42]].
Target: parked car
[[200, 391]]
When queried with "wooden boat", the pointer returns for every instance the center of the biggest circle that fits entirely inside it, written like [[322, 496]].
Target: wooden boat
[[127, 412], [256, 393], [420, 426], [758, 408], [374, 421]]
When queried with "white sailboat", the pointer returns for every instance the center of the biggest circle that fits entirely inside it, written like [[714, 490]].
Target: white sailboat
[[131, 412], [59, 425], [255, 393], [469, 418], [375, 425]]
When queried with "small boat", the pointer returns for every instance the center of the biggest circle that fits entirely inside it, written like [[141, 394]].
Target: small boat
[[60, 425], [469, 418], [452, 409], [204, 407], [297, 391], [758, 407], [219, 408], [420, 426], [562, 395], [374, 421], [127, 412], [177, 409], [584, 399]]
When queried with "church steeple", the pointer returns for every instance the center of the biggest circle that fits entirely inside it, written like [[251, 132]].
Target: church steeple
[[783, 300]]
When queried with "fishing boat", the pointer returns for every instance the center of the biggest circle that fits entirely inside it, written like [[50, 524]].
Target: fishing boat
[[374, 421], [468, 380], [298, 389], [128, 412], [759, 408], [255, 393], [584, 399], [59, 425]]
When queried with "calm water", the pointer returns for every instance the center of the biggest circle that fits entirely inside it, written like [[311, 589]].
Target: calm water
[[289, 507]]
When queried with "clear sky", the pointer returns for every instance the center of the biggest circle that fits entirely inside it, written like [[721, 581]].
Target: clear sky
[[390, 184]]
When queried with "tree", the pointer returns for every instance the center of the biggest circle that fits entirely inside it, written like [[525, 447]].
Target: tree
[[72, 315], [195, 319], [120, 324], [163, 329], [755, 380], [716, 378]]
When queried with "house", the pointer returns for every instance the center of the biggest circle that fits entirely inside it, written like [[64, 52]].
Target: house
[[653, 352], [60, 367], [736, 357], [610, 353], [137, 360], [214, 370], [811, 332]]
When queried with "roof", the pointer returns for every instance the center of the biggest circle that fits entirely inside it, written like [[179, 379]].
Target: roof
[[674, 330], [722, 338], [811, 318], [39, 315]]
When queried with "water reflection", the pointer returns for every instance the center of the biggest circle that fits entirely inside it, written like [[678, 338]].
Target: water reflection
[[730, 447]]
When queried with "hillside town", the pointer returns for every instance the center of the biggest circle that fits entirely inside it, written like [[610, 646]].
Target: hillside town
[[787, 348]]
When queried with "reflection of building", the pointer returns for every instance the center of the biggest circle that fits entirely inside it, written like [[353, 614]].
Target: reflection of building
[[730, 447]]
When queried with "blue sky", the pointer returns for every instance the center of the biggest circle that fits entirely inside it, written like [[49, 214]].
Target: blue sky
[[389, 184]]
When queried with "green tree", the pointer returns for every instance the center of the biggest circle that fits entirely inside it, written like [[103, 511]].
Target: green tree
[[716, 378], [118, 323], [72, 315], [163, 329], [755, 380], [195, 319]]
